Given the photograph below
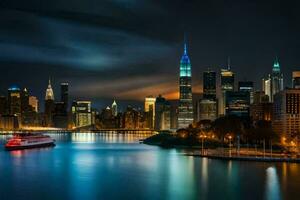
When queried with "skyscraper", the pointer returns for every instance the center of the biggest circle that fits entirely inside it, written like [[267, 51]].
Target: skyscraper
[[227, 84], [207, 107], [114, 109], [185, 108], [81, 112], [266, 87], [209, 84], [296, 79], [64, 95], [247, 86], [14, 100], [274, 83], [34, 103], [49, 105], [25, 101], [286, 119], [277, 78], [150, 109], [162, 114]]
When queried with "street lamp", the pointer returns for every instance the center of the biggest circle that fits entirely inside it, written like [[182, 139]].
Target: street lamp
[[202, 143], [230, 137]]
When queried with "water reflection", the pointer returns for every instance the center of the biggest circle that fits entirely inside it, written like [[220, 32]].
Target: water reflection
[[116, 166], [272, 184]]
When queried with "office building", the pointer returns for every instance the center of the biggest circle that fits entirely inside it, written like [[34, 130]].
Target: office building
[[247, 86], [208, 109], [81, 112], [238, 103], [185, 108], [296, 79], [209, 84], [49, 106], [149, 108], [227, 84], [34, 103], [3, 105], [274, 82], [286, 119], [14, 100], [64, 95], [162, 114], [114, 109]]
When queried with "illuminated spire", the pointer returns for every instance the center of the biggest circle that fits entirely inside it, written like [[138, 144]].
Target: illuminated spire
[[114, 108], [276, 66], [185, 44], [228, 63], [185, 64], [49, 91]]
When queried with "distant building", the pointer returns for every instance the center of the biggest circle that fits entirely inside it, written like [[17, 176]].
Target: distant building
[[81, 112], [260, 97], [131, 118], [3, 105], [267, 88], [247, 86], [185, 108], [107, 118], [64, 96], [196, 99], [149, 108], [9, 122], [60, 116], [296, 79], [174, 113], [25, 101], [208, 109], [49, 106], [34, 103], [238, 103], [114, 109], [274, 82], [14, 100], [209, 84], [162, 114], [227, 84], [286, 120], [261, 109]]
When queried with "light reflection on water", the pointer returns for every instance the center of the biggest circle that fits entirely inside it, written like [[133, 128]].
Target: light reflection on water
[[272, 184], [116, 166]]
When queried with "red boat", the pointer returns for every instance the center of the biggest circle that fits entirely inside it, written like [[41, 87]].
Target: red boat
[[27, 141]]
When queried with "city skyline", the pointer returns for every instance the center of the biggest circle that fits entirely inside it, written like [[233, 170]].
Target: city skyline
[[105, 57]]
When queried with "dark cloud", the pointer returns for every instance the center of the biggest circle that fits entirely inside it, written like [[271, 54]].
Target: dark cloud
[[127, 49]]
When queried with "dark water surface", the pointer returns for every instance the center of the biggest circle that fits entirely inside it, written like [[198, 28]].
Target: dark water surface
[[98, 166]]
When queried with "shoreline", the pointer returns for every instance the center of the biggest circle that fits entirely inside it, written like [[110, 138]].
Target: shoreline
[[246, 158]]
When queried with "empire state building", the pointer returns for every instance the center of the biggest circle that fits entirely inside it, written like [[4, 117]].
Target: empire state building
[[185, 108]]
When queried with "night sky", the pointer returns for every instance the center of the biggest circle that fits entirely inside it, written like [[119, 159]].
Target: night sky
[[128, 49]]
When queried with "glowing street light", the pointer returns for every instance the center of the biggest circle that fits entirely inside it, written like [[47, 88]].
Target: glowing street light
[[202, 146]]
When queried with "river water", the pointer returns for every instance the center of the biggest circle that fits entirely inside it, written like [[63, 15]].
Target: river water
[[101, 166]]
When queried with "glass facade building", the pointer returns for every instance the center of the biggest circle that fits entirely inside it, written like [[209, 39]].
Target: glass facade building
[[185, 108], [209, 84], [274, 83]]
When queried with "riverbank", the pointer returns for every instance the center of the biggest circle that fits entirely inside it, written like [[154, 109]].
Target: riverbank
[[216, 150], [247, 158]]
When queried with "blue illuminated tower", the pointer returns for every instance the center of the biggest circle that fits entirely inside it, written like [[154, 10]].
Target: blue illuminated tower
[[185, 108], [277, 79]]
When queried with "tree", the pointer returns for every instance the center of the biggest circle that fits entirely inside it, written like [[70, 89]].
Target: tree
[[227, 125]]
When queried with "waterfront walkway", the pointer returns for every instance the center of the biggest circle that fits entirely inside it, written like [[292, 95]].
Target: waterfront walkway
[[257, 156]]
